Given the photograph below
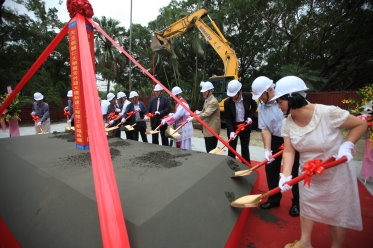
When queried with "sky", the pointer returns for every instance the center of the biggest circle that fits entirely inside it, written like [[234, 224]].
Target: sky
[[143, 11]]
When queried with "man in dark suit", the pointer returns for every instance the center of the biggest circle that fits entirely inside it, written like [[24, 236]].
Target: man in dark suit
[[238, 109], [138, 118], [159, 107]]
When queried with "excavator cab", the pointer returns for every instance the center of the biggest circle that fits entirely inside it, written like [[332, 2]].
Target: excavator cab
[[220, 86]]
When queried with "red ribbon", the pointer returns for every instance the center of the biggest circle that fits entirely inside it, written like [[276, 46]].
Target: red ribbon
[[35, 118], [312, 167], [82, 7], [149, 115], [113, 116], [66, 113], [241, 127]]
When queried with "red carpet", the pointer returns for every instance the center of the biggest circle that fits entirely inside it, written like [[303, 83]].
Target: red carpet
[[257, 228]]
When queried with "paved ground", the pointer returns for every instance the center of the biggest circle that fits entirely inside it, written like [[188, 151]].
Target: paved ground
[[256, 148]]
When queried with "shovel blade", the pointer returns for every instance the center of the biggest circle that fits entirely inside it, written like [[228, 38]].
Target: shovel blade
[[151, 132], [249, 201], [129, 127], [108, 129], [217, 150], [241, 173], [175, 135]]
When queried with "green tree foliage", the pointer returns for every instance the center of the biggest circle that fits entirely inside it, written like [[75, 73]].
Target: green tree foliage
[[325, 42], [109, 63], [23, 37]]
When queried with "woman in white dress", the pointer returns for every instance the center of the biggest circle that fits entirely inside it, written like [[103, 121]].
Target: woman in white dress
[[181, 116], [314, 130]]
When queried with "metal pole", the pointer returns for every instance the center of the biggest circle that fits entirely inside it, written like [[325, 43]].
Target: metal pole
[[130, 49]]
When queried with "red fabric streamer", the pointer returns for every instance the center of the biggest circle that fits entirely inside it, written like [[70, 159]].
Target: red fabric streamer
[[110, 212]]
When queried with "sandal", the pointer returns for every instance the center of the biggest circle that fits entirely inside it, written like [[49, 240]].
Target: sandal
[[295, 244]]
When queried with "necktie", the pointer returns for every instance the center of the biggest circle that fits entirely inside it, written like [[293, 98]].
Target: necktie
[[158, 101]]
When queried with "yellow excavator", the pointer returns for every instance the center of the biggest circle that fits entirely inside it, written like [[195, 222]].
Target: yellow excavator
[[161, 43]]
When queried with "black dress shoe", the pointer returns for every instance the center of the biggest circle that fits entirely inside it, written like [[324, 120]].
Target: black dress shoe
[[268, 205], [294, 211]]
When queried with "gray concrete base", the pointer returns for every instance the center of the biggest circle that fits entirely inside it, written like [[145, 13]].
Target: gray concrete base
[[170, 197]]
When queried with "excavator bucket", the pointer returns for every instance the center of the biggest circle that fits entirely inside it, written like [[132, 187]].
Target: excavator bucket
[[157, 47]]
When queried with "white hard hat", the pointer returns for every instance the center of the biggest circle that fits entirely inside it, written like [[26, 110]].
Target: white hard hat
[[121, 94], [133, 94], [176, 90], [157, 87], [207, 86], [70, 93], [110, 96], [234, 86], [38, 96], [288, 85], [260, 85]]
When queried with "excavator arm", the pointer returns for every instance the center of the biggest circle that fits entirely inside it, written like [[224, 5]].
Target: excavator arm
[[161, 40]]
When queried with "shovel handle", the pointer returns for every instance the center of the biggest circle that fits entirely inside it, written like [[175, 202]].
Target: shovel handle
[[159, 126], [331, 162], [277, 154], [181, 125], [238, 130]]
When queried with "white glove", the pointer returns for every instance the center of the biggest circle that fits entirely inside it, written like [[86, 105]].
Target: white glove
[[68, 122], [157, 113], [197, 112], [163, 122], [190, 119], [249, 120], [267, 155], [123, 120], [38, 124], [170, 114], [346, 150], [146, 118], [66, 108], [117, 110], [33, 113], [282, 184], [232, 136], [111, 122]]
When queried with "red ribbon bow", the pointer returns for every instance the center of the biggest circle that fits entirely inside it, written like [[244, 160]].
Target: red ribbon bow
[[66, 113], [133, 112], [113, 116], [310, 168], [149, 115], [35, 118], [241, 127]]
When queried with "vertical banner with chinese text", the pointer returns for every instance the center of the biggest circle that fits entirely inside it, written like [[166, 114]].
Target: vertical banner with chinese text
[[80, 120]]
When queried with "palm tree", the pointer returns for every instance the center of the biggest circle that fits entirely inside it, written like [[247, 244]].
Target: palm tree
[[106, 54]]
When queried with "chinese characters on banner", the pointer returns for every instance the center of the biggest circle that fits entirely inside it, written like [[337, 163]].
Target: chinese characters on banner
[[80, 122]]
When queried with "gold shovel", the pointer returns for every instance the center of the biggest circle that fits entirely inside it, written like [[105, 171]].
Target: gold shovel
[[249, 171], [107, 129], [174, 132], [129, 114], [250, 201], [155, 130], [129, 127]]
